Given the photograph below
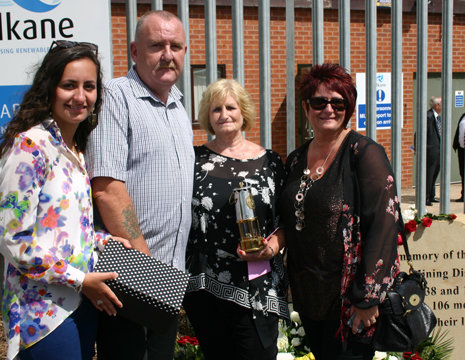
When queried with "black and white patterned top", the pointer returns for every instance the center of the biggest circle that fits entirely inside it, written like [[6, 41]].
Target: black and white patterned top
[[212, 260]]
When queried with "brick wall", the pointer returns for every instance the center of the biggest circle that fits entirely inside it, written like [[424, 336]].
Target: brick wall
[[303, 55]]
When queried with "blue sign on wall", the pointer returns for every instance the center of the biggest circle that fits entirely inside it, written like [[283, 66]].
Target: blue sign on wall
[[459, 98], [10, 98], [383, 116]]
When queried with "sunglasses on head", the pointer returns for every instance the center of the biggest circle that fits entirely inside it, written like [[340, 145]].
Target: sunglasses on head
[[320, 103], [69, 44]]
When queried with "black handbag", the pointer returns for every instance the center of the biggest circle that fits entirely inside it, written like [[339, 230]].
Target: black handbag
[[405, 320]]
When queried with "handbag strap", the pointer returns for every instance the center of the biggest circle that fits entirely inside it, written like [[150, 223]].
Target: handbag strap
[[404, 243]]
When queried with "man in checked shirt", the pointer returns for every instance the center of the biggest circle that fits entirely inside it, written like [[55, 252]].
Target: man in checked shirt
[[141, 162]]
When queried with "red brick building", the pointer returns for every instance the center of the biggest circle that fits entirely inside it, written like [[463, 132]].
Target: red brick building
[[303, 55]]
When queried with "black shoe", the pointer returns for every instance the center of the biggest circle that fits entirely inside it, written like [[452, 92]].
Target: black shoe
[[459, 200], [428, 203], [434, 200]]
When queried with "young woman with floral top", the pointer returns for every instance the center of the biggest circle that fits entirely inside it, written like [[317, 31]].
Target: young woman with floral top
[[46, 223], [234, 313], [341, 217]]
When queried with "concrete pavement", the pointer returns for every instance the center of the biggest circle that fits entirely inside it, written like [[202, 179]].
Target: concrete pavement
[[408, 198]]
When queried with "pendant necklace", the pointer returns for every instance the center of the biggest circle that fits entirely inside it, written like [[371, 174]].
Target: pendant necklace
[[306, 182]]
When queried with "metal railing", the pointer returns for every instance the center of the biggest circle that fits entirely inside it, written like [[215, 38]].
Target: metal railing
[[344, 55]]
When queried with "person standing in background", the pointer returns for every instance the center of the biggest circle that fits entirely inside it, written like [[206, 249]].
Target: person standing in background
[[433, 148], [141, 162], [458, 145]]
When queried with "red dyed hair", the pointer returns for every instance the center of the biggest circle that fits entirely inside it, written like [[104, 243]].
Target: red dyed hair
[[335, 78]]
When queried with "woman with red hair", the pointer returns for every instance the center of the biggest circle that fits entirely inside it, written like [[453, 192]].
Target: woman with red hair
[[341, 216]]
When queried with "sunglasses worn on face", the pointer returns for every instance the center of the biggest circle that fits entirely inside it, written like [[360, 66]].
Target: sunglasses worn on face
[[320, 103], [69, 44]]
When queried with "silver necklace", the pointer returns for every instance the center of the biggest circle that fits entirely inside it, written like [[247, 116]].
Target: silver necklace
[[306, 182], [236, 156]]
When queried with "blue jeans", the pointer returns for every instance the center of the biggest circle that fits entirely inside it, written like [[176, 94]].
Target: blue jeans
[[74, 339]]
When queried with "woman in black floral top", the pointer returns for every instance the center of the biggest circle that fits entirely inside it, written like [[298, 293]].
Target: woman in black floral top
[[234, 312], [341, 217]]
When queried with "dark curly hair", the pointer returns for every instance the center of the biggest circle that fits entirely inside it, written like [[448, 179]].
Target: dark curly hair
[[36, 104], [335, 78]]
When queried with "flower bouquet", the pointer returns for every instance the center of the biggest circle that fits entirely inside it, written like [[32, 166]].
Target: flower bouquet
[[188, 347], [436, 347], [292, 343], [412, 221]]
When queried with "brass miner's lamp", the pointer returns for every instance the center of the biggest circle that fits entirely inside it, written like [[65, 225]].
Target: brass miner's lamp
[[251, 239]]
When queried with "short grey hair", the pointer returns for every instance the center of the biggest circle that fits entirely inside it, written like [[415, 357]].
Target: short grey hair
[[165, 15], [434, 101]]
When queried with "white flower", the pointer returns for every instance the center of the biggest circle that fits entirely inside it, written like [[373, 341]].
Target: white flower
[[208, 167], [283, 343], [379, 355], [217, 159], [203, 223], [294, 331], [207, 203], [296, 341], [266, 196], [392, 357], [224, 254], [409, 214], [210, 273], [295, 317], [243, 174], [301, 331], [271, 184], [251, 182], [224, 276], [285, 356]]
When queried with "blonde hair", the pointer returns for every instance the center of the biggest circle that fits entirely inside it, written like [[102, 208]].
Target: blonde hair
[[216, 94]]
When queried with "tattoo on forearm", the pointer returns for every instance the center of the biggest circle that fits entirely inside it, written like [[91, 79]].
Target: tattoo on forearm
[[131, 225]]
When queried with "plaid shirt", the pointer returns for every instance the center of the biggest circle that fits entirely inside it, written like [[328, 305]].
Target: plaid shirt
[[148, 145]]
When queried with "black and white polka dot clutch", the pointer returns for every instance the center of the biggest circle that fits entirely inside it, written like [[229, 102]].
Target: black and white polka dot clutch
[[150, 290]]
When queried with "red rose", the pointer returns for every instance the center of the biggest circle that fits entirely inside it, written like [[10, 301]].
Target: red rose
[[406, 355], [426, 221], [452, 216], [193, 341], [183, 340], [399, 240], [411, 226]]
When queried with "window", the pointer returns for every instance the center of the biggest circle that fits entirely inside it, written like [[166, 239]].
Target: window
[[199, 84]]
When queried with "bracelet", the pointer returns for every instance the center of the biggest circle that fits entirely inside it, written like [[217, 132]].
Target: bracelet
[[272, 252]]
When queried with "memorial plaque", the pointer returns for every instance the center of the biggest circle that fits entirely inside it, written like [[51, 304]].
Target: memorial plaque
[[439, 252]]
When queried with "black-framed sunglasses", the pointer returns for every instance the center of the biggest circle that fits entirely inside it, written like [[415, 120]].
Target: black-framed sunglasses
[[320, 103], [69, 44]]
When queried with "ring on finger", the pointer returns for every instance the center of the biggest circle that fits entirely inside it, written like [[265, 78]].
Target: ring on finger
[[99, 302], [373, 321]]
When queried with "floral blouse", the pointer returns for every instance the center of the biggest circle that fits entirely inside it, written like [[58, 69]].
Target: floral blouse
[[212, 260], [46, 231], [366, 227]]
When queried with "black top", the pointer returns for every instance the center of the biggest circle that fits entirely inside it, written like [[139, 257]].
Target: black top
[[347, 252], [212, 260], [319, 240]]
